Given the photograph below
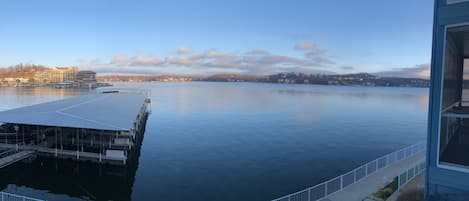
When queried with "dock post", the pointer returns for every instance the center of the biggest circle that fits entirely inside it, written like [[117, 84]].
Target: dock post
[[101, 145], [23, 135], [78, 143], [149, 101], [37, 135], [61, 144], [16, 141], [56, 142]]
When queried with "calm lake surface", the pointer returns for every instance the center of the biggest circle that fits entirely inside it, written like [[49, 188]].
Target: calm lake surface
[[231, 141]]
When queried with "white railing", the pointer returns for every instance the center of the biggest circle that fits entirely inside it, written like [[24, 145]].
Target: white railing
[[327, 188], [12, 197], [409, 174]]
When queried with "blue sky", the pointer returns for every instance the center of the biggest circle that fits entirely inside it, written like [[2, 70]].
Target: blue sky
[[388, 37]]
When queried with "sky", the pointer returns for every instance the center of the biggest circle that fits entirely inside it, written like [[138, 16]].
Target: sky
[[202, 37]]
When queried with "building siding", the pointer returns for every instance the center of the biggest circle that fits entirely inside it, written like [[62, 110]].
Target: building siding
[[440, 181]]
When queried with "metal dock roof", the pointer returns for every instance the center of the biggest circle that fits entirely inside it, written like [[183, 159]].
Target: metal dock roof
[[101, 111]]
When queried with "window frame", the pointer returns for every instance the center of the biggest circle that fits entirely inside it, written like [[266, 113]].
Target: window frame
[[447, 166], [450, 2]]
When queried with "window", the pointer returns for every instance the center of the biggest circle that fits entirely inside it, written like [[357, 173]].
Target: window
[[454, 125]]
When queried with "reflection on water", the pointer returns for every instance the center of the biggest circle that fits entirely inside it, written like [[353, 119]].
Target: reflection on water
[[13, 97], [232, 141], [63, 177]]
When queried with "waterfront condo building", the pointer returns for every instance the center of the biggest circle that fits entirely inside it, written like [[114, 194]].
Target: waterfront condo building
[[447, 173], [86, 78], [63, 74]]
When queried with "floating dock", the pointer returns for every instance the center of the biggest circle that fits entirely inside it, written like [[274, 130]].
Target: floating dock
[[102, 127]]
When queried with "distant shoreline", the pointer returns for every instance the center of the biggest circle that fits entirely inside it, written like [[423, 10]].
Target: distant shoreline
[[359, 79], [264, 83]]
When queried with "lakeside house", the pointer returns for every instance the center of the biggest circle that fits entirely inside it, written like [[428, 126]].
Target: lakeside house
[[447, 172]]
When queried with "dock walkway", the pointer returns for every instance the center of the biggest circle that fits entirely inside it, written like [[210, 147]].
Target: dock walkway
[[14, 157], [4, 196], [360, 190], [64, 153]]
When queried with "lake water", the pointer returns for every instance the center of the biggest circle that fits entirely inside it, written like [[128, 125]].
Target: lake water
[[231, 141]]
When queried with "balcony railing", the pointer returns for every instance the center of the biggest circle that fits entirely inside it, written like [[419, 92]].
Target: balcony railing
[[410, 173], [328, 188]]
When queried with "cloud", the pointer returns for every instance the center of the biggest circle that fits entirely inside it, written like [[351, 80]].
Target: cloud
[[255, 61], [300, 36], [80, 60], [285, 60], [180, 61], [304, 46], [257, 52], [211, 54], [417, 71], [323, 60], [104, 68], [315, 54], [183, 50], [123, 60], [120, 59], [145, 61], [306, 70], [347, 68]]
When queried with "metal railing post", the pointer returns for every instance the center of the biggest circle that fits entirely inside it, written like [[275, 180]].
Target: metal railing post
[[376, 165], [325, 185], [366, 171], [398, 182], [407, 180], [354, 176], [341, 182]]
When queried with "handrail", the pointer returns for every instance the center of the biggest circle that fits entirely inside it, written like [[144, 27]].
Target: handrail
[[4, 196], [323, 190]]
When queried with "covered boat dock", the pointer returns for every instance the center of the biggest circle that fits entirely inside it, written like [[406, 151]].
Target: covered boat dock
[[101, 127]]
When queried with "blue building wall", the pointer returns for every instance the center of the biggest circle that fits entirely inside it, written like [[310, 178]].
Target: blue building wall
[[442, 183]]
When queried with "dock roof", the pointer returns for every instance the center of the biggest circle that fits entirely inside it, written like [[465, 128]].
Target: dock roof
[[100, 111]]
